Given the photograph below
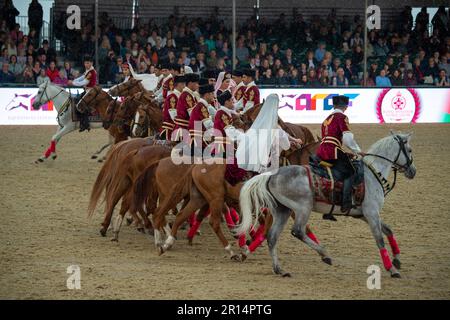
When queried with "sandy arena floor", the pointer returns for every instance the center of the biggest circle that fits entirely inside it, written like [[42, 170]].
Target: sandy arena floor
[[44, 229]]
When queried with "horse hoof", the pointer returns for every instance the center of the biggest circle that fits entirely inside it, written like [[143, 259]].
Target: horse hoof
[[40, 160], [94, 157], [190, 242], [54, 156], [396, 275], [129, 221], [243, 257], [396, 262], [115, 240], [160, 250], [286, 275], [236, 258], [151, 232], [327, 260], [99, 160], [141, 230], [103, 232]]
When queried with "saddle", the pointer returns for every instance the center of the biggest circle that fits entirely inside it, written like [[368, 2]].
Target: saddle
[[94, 116], [328, 189]]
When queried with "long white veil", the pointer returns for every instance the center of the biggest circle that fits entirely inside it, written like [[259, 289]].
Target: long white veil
[[149, 81], [253, 153]]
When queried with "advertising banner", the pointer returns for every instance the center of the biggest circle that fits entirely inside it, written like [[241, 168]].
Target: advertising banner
[[303, 105]]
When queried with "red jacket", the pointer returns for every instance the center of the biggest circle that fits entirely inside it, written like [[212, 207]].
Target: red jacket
[[186, 102], [239, 93], [251, 94], [333, 129], [170, 106], [52, 74], [199, 114], [168, 85]]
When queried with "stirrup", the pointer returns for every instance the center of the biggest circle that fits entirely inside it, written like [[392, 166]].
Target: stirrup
[[329, 216]]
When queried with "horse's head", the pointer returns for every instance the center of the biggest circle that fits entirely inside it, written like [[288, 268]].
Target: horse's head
[[91, 98], [46, 93], [141, 122], [126, 89], [404, 159]]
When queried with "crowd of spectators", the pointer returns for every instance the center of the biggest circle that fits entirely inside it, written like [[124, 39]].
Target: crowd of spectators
[[321, 51]]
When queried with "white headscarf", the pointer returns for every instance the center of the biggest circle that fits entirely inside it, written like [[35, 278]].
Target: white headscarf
[[219, 82], [255, 146]]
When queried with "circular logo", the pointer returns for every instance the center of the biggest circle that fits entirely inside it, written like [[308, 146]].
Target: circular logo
[[398, 106]]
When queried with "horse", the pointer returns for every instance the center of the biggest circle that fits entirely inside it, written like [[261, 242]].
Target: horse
[[290, 188], [127, 89], [64, 106], [202, 186], [148, 120]]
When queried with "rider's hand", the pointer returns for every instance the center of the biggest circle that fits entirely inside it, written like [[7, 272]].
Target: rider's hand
[[70, 82]]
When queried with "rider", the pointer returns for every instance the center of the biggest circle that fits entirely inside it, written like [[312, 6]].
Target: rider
[[240, 86], [170, 108], [88, 80], [335, 133], [251, 94], [186, 102], [200, 118], [126, 72]]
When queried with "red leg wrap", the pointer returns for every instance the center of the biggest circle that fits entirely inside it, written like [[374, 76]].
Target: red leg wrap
[[194, 228], [394, 245], [48, 152], [257, 242], [313, 237], [242, 241], [229, 220], [234, 215], [386, 259], [192, 219], [53, 146]]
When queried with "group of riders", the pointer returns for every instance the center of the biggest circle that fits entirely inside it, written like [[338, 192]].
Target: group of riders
[[191, 106]]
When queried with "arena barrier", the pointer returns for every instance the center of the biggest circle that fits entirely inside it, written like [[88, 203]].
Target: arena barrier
[[302, 105]]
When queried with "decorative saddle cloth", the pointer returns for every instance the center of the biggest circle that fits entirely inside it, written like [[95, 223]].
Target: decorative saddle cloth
[[329, 189]]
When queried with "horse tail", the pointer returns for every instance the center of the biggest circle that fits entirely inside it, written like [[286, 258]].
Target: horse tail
[[254, 196], [102, 180], [142, 184], [121, 172]]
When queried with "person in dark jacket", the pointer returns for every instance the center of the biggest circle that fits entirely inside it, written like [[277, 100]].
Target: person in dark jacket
[[9, 14], [35, 16]]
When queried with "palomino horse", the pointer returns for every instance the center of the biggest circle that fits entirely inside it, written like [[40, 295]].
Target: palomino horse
[[290, 188], [63, 104]]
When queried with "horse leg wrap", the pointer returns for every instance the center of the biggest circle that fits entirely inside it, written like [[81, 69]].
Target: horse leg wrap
[[192, 219], [386, 259], [242, 241], [234, 215], [313, 237], [394, 245], [53, 146], [257, 242], [229, 219], [252, 232], [194, 228]]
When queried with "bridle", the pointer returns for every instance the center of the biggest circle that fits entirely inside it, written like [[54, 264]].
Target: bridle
[[125, 87], [395, 166], [144, 124], [46, 95]]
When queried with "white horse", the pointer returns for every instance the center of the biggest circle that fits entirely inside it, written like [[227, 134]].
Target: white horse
[[62, 101], [289, 188]]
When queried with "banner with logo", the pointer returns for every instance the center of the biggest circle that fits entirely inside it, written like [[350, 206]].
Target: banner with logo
[[374, 105]]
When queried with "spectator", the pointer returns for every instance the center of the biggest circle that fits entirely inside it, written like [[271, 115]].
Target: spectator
[[304, 80], [405, 61], [350, 72], [6, 76], [9, 14], [431, 71], [340, 80], [396, 78], [294, 77], [442, 79], [380, 48], [242, 52], [14, 67], [373, 70], [443, 64], [410, 79], [324, 78], [36, 70], [69, 72], [193, 64], [211, 61], [288, 59], [50, 53], [423, 18], [52, 72], [311, 62], [61, 79], [418, 72], [320, 52], [26, 77], [42, 77], [267, 78], [381, 80], [35, 16], [312, 78], [282, 78], [105, 47]]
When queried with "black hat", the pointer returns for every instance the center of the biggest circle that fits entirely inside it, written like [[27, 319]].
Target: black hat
[[191, 77], [340, 101], [88, 59], [165, 65], [249, 73], [179, 79], [225, 96], [206, 89], [210, 74], [203, 81], [237, 73]]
